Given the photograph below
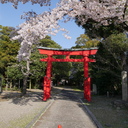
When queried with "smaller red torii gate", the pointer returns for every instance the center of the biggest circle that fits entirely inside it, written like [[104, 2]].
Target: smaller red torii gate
[[85, 52]]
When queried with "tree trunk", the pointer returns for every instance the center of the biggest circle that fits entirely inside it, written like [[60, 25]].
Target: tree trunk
[[26, 74], [24, 88], [19, 84], [6, 88], [10, 84], [0, 85], [30, 84], [7, 85]]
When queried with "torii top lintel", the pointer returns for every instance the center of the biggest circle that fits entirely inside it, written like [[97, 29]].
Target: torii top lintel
[[85, 52], [57, 51]]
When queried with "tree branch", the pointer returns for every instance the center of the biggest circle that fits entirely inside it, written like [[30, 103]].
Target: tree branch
[[125, 8]]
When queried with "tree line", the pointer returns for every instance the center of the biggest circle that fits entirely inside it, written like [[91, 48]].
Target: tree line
[[111, 60], [13, 72]]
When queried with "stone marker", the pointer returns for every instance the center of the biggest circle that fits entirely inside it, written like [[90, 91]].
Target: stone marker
[[0, 85], [124, 86], [94, 89]]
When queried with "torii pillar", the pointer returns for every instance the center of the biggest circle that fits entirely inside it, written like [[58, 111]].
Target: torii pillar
[[87, 80], [47, 80]]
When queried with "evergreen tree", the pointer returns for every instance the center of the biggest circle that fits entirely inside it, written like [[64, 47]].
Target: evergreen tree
[[8, 49]]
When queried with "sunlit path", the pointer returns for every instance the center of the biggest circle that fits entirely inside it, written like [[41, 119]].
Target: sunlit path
[[67, 111]]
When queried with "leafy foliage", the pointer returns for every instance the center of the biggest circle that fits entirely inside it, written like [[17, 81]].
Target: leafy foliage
[[110, 62], [78, 68], [59, 70], [38, 68], [106, 72], [103, 31], [8, 49], [85, 42]]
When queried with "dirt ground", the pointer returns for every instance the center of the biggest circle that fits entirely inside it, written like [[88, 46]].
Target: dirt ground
[[17, 111], [110, 115]]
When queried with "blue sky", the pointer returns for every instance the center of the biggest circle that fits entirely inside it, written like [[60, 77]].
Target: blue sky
[[10, 16]]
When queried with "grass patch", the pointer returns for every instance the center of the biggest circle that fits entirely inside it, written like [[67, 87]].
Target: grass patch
[[107, 114], [22, 121], [77, 89]]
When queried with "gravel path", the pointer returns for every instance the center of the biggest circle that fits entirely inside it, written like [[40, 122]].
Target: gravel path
[[68, 111], [18, 112]]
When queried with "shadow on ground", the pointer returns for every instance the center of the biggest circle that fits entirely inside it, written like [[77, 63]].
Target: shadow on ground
[[35, 95], [19, 99]]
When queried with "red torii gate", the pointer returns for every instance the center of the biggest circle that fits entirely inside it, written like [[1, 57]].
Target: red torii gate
[[85, 52]]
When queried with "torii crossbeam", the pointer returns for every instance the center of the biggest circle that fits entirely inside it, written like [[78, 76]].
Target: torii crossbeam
[[85, 52]]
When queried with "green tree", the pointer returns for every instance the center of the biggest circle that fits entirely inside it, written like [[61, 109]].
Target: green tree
[[48, 42], [14, 76], [32, 69], [77, 75], [37, 69], [99, 32], [59, 70], [8, 49], [85, 42], [110, 61]]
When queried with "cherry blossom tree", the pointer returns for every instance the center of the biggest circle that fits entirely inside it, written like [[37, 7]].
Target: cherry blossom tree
[[36, 27], [95, 29], [16, 2]]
